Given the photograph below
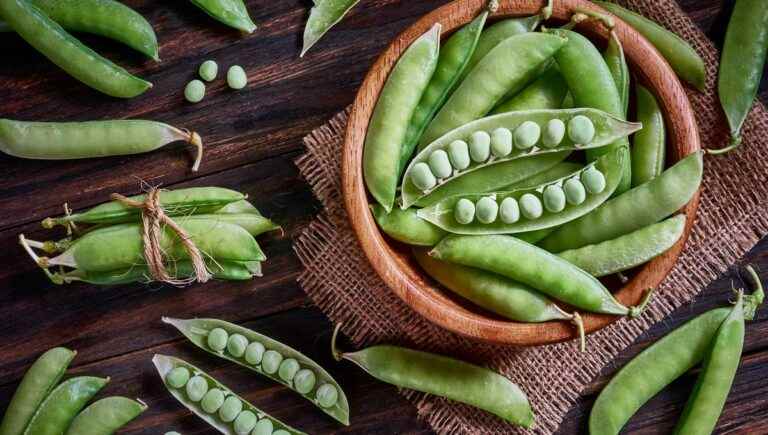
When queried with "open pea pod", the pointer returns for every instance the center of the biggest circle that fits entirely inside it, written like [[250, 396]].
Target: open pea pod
[[533, 208], [505, 137]]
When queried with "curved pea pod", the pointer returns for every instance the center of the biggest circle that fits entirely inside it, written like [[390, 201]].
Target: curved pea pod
[[606, 130], [637, 208], [197, 331], [165, 364], [225, 270], [253, 223], [324, 15], [233, 13], [506, 69], [617, 64], [239, 207], [442, 214], [62, 405], [106, 416], [393, 112], [406, 227], [37, 382], [547, 92], [649, 145]]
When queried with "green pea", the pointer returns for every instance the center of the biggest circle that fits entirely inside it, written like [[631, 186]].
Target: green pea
[[527, 135], [236, 345], [501, 142], [480, 146], [553, 134], [509, 211], [440, 165], [208, 70], [288, 369], [458, 151], [217, 339], [177, 377], [196, 388], [487, 210], [554, 198], [236, 78], [212, 400], [263, 427], [594, 180], [422, 177], [464, 213], [230, 409], [254, 352], [530, 206], [326, 395], [194, 92], [245, 422], [581, 130], [574, 191], [271, 361], [304, 381]]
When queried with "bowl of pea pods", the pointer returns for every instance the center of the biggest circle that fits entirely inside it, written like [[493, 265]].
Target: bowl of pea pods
[[525, 172]]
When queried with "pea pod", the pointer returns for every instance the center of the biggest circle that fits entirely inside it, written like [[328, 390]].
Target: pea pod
[[649, 147], [233, 13], [642, 206], [239, 207], [62, 405], [106, 416], [68, 53], [324, 15], [617, 64], [405, 226], [37, 383], [232, 403], [253, 223], [199, 332], [547, 92], [225, 270]]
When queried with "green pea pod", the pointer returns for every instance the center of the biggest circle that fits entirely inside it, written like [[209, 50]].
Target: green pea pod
[[166, 364], [680, 55], [68, 53], [617, 64], [225, 270], [406, 227], [394, 109], [445, 377], [239, 207], [37, 383], [547, 92], [253, 223], [649, 146], [106, 416], [506, 69], [557, 172], [642, 206], [628, 251], [324, 15], [57, 411], [453, 59], [233, 13]]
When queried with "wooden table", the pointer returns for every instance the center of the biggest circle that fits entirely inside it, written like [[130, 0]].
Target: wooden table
[[252, 138]]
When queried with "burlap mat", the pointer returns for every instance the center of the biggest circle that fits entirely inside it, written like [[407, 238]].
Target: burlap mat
[[731, 219]]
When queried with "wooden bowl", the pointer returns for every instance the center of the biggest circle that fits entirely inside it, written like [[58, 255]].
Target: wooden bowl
[[393, 262]]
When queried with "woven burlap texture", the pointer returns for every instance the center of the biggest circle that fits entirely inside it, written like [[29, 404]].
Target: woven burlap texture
[[731, 219]]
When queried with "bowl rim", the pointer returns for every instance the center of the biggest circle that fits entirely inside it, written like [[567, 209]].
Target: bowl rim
[[411, 284]]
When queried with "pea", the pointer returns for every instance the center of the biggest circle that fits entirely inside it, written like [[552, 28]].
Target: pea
[[212, 400], [527, 135], [245, 422], [326, 395], [230, 409], [194, 91], [196, 388], [440, 165], [501, 142], [594, 180], [254, 352], [263, 427], [530, 206], [464, 213], [236, 345], [509, 211], [487, 210], [177, 377], [217, 339], [458, 151], [480, 146], [288, 369], [236, 78], [581, 130], [422, 177], [208, 70], [304, 381], [554, 198], [553, 134], [271, 361], [574, 191]]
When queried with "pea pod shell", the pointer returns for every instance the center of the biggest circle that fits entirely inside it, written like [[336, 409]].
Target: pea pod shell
[[239, 207], [106, 416], [547, 92], [556, 172], [324, 15], [196, 331], [233, 13], [253, 223], [37, 382], [225, 270], [405, 226], [649, 146], [617, 64], [62, 405]]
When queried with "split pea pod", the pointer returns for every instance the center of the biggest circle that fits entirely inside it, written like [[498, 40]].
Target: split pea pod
[[324, 15], [108, 18], [35, 386], [639, 207], [649, 145], [62, 405], [405, 226], [106, 416], [233, 13], [79, 140], [393, 112], [547, 92], [267, 357], [445, 377], [68, 53]]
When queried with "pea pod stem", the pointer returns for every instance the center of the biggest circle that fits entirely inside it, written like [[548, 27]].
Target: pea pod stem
[[42, 262], [734, 143]]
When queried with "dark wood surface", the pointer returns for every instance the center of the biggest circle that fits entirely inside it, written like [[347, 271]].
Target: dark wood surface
[[253, 136]]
